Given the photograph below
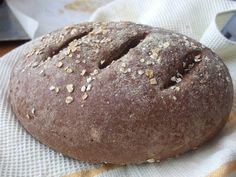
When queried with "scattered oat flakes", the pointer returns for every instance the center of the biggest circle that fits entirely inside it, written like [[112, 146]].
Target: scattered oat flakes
[[67, 51], [158, 60], [140, 72], [57, 89], [197, 58], [33, 111], [166, 44], [77, 61], [97, 51], [41, 72], [123, 65], [66, 27], [84, 61], [149, 73], [142, 60], [70, 55], [69, 99], [129, 70], [153, 81], [59, 64], [83, 72], [227, 79], [38, 52], [178, 80], [154, 53], [74, 31], [89, 79], [69, 70], [151, 160], [179, 75], [175, 79], [83, 88], [123, 70], [148, 62], [73, 45], [70, 88], [29, 54], [177, 88], [52, 88], [28, 116], [207, 59], [61, 58], [160, 45], [95, 72], [174, 98], [102, 61], [89, 87], [85, 96], [35, 64]]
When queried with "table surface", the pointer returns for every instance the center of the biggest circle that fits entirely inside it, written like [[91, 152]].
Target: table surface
[[6, 47]]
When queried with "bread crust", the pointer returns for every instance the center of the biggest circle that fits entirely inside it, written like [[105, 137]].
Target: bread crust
[[120, 92]]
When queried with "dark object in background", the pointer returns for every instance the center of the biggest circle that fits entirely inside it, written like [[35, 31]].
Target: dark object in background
[[10, 28], [229, 30]]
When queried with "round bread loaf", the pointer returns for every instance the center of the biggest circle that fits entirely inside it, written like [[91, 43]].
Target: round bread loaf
[[120, 92]]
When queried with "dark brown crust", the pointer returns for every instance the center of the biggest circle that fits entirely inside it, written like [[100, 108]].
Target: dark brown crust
[[156, 95]]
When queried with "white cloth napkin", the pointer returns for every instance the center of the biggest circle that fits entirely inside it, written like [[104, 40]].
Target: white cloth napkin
[[22, 155]]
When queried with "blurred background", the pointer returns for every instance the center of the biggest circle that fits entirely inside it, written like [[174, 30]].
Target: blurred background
[[23, 20]]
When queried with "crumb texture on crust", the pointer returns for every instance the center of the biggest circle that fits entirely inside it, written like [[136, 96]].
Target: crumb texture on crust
[[120, 92]]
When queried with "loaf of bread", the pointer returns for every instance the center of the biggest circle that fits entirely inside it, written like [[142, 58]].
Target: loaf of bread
[[120, 92]]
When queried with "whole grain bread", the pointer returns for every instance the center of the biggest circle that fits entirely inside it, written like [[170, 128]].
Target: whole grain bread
[[120, 92]]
